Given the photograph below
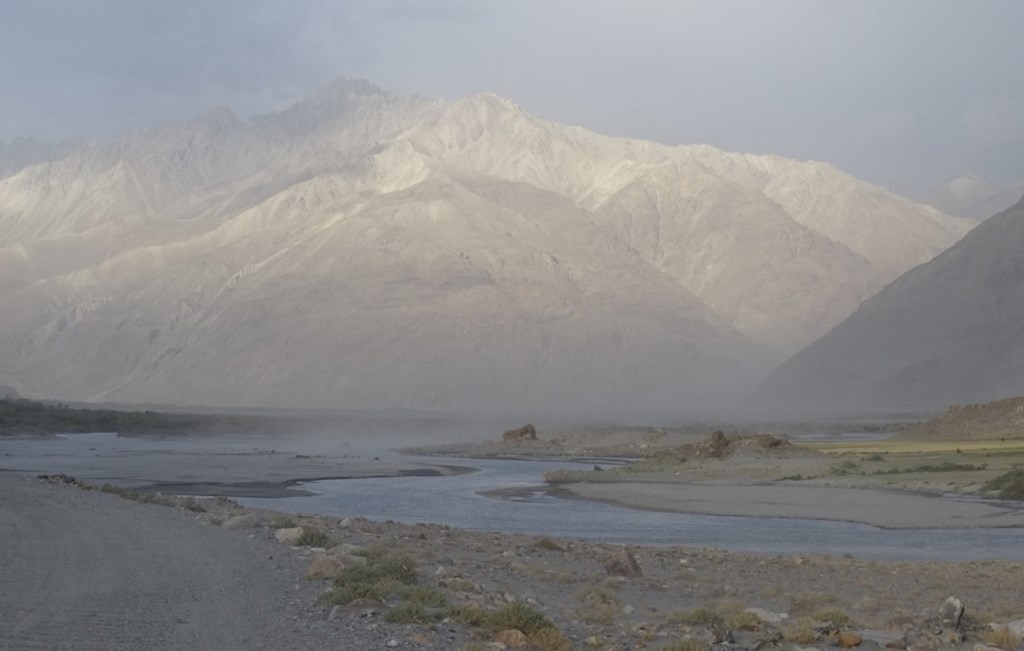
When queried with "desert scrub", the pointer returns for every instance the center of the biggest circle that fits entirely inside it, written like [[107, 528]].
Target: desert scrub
[[382, 576], [805, 604], [598, 605], [539, 630], [1008, 486], [281, 522], [422, 604], [697, 617], [744, 621], [800, 631], [836, 616], [314, 538]]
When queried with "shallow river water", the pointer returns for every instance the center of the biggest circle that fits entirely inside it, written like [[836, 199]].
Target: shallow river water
[[457, 501]]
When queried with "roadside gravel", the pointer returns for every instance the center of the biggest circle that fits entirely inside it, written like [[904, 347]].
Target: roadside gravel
[[88, 570]]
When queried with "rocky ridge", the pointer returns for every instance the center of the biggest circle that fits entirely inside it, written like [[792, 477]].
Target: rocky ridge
[[297, 259], [946, 332]]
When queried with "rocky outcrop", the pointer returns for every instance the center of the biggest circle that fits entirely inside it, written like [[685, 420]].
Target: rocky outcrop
[[525, 433]]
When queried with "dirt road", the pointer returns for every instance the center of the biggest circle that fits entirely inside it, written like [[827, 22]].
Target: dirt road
[[85, 570]]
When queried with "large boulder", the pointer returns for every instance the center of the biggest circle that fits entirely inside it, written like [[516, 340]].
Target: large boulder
[[525, 433]]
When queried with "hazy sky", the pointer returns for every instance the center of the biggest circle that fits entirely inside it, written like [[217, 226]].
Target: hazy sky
[[897, 91]]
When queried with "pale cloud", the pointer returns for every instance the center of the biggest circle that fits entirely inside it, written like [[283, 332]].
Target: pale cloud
[[910, 91]]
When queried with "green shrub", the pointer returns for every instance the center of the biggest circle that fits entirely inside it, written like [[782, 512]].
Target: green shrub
[[1009, 485], [517, 615], [314, 538], [381, 577]]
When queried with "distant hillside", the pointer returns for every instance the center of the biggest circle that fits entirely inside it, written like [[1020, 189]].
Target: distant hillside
[[1001, 419], [367, 250], [949, 331]]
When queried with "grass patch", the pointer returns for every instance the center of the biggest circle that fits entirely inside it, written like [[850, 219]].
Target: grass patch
[[745, 621], [945, 466], [145, 497], [836, 616], [281, 522], [314, 538], [1008, 486], [381, 577], [697, 617], [598, 605]]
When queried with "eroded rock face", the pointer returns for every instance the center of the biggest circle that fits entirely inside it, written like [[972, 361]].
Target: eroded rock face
[[525, 433], [288, 535], [623, 564]]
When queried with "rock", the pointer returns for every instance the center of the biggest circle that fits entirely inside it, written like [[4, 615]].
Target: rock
[[512, 638], [766, 616], [1016, 627], [324, 566], [392, 643], [525, 433], [8, 393], [245, 521], [288, 535], [848, 639], [552, 544], [362, 603], [984, 647], [951, 612], [623, 564], [345, 549]]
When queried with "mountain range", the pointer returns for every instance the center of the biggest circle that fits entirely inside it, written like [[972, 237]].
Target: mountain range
[[973, 197], [363, 249], [947, 332]]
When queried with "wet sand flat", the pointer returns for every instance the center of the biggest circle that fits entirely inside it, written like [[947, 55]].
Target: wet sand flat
[[882, 508]]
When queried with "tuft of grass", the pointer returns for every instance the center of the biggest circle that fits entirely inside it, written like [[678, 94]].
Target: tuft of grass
[[517, 615], [697, 617], [468, 615], [745, 621], [550, 639], [539, 630], [836, 616], [598, 605], [281, 522], [805, 604], [314, 538], [1009, 485], [381, 577], [800, 631]]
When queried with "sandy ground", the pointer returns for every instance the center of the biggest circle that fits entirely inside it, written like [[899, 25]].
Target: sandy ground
[[889, 509], [86, 570], [232, 467]]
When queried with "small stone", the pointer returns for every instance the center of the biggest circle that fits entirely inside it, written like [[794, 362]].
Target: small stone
[[849, 639], [288, 535], [951, 612], [1016, 627], [392, 643], [984, 647], [627, 610], [767, 616], [623, 564], [324, 567], [512, 638], [245, 521]]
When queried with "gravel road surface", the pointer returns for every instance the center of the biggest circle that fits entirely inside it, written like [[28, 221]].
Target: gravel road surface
[[86, 570]]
